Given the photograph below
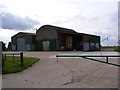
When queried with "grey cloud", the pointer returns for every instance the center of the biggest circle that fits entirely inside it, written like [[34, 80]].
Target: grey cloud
[[2, 7], [112, 38], [13, 22]]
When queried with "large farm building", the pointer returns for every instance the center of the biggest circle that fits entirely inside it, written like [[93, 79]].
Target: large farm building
[[53, 38], [23, 41]]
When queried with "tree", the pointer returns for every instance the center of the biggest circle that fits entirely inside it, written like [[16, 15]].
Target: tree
[[3, 46], [9, 46]]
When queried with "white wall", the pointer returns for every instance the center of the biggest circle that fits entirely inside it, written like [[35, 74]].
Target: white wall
[[0, 65]]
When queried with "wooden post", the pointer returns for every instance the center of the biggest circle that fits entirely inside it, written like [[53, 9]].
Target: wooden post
[[1, 65], [5, 56], [13, 57], [3, 60], [57, 58], [107, 59], [21, 58]]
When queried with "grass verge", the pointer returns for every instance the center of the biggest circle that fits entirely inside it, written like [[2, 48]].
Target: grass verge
[[117, 49], [10, 67]]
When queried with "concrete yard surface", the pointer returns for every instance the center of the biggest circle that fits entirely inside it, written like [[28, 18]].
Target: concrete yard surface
[[66, 73]]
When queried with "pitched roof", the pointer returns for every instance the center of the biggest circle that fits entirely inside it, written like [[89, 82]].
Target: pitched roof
[[57, 28], [24, 33], [64, 30]]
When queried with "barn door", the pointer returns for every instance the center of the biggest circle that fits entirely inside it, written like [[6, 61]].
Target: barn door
[[20, 44], [45, 45]]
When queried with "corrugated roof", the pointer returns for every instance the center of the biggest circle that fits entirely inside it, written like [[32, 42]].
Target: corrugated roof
[[64, 30], [57, 28], [24, 33]]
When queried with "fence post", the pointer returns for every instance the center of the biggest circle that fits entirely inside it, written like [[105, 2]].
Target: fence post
[[2, 60], [13, 57], [107, 59], [21, 58], [5, 56]]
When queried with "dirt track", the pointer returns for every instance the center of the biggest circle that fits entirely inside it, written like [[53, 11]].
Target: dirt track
[[66, 73]]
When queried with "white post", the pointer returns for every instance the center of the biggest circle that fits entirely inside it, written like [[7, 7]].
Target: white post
[[1, 65]]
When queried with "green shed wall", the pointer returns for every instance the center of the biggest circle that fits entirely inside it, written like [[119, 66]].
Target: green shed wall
[[52, 44]]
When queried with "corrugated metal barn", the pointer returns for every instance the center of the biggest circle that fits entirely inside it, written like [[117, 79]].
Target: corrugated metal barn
[[23, 41], [52, 38]]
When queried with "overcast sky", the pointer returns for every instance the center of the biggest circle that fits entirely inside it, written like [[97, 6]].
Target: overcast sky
[[99, 17]]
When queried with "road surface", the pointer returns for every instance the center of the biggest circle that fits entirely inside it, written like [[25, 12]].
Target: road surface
[[66, 73]]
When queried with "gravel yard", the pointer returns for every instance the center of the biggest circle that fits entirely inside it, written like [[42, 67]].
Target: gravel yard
[[66, 73]]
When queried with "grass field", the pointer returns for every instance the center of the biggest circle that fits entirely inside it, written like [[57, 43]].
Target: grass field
[[10, 67], [111, 48], [117, 49]]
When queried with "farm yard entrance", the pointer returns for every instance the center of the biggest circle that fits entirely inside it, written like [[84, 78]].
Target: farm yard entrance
[[67, 73]]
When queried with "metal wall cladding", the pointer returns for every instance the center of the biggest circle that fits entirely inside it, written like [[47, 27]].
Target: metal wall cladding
[[14, 47], [86, 46], [21, 44], [45, 45], [91, 39], [46, 33], [39, 45], [23, 41], [48, 44], [27, 47], [98, 45], [32, 47]]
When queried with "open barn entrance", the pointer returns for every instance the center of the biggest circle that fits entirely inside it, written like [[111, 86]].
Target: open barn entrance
[[70, 41]]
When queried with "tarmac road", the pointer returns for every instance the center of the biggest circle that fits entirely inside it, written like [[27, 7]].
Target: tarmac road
[[67, 73]]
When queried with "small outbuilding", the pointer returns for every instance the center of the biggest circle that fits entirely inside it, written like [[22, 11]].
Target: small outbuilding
[[53, 38], [23, 41]]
